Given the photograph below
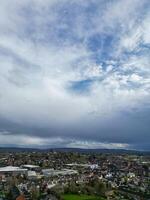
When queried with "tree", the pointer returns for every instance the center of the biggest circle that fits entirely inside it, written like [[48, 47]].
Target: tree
[[100, 188]]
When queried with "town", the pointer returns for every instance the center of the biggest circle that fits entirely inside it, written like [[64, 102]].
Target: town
[[59, 175]]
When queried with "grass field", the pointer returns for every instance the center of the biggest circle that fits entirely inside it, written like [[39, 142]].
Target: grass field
[[80, 197]]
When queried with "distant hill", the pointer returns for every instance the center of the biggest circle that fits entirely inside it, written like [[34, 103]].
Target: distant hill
[[17, 149], [78, 150], [105, 151]]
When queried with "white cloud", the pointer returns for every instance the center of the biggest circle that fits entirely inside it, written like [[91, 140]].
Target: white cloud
[[96, 145], [146, 29], [23, 140], [38, 142], [132, 40], [38, 62]]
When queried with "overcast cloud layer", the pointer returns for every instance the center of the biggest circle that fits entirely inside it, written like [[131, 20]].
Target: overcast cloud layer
[[75, 73]]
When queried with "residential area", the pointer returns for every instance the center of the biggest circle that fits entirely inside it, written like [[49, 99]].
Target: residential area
[[57, 175]]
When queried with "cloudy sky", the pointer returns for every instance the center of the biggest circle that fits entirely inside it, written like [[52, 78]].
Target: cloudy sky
[[75, 73]]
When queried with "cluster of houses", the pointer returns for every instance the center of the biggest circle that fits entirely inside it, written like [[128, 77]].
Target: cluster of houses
[[125, 174]]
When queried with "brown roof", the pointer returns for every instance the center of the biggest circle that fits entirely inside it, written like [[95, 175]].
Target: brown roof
[[21, 197]]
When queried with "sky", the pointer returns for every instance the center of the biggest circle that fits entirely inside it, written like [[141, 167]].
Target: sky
[[75, 73]]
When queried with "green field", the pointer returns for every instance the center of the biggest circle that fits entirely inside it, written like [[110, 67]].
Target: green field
[[80, 197]]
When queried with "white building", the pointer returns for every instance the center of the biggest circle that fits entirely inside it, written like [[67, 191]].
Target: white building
[[63, 172], [30, 167], [32, 175], [12, 169]]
